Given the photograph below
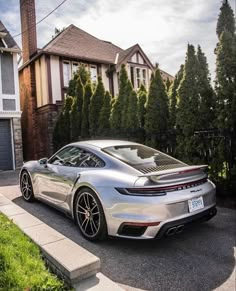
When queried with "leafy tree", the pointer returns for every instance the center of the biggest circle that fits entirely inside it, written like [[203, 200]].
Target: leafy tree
[[173, 97], [95, 107], [156, 118], [125, 111], [118, 108], [85, 109], [173, 110], [71, 91], [62, 130], [104, 124], [84, 74], [206, 93], [188, 108], [142, 99], [226, 20], [225, 84], [132, 116], [76, 111], [168, 84]]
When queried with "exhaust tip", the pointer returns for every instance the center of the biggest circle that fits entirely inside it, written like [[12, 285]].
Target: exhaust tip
[[174, 230]]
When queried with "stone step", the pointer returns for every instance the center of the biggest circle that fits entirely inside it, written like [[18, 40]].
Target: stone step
[[66, 258]]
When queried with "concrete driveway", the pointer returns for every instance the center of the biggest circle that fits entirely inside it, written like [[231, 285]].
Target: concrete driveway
[[199, 259]]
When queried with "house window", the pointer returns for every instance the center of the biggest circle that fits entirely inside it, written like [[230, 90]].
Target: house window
[[138, 77], [7, 72], [69, 68], [9, 104], [66, 73], [132, 75], [93, 72]]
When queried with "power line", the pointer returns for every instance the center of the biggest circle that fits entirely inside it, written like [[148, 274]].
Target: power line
[[40, 19]]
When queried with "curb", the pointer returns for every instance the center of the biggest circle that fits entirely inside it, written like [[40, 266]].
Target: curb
[[66, 259]]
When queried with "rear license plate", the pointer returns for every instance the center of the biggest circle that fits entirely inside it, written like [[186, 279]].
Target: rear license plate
[[195, 204]]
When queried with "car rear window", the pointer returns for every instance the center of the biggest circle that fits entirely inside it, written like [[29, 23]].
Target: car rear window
[[141, 157]]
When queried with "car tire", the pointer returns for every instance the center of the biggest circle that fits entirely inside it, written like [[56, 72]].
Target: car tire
[[89, 215], [26, 187]]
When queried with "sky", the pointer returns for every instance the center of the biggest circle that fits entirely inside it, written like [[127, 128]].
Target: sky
[[163, 28]]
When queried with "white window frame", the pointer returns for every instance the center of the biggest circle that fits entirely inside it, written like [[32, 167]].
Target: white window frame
[[71, 71], [93, 68], [141, 78], [68, 78]]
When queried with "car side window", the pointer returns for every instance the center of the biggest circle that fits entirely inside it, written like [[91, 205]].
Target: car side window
[[76, 157]]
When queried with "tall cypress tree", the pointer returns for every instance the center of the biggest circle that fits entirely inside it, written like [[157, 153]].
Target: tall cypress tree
[[76, 111], [225, 83], [173, 110], [72, 85], [125, 106], [173, 96], [156, 118], [118, 108], [206, 93], [104, 124], [132, 116], [168, 84], [188, 109], [95, 107], [142, 99], [85, 109], [226, 20], [84, 74], [62, 130]]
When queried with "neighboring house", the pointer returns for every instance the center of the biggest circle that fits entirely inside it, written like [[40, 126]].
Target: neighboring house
[[46, 72], [10, 125]]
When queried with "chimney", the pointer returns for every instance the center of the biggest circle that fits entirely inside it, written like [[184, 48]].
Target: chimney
[[28, 29]]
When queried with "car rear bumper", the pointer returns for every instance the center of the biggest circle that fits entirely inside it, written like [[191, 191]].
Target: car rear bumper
[[177, 226], [146, 217]]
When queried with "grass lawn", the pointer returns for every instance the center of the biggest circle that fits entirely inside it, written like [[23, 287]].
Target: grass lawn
[[21, 264]]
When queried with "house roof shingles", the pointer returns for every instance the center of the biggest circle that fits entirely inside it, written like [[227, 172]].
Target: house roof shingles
[[9, 40], [74, 42]]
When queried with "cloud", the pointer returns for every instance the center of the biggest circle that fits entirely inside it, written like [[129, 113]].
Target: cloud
[[163, 28]]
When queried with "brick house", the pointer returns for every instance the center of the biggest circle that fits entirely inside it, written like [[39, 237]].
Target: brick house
[[10, 125], [45, 75]]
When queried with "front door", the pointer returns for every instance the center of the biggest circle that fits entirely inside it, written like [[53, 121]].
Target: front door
[[58, 176]]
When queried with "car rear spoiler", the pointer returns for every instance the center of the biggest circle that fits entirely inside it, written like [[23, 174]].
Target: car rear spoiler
[[177, 174]]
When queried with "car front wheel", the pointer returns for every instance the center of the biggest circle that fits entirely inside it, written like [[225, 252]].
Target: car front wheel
[[89, 215], [26, 187]]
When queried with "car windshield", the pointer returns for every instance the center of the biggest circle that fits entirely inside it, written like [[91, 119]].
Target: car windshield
[[140, 156]]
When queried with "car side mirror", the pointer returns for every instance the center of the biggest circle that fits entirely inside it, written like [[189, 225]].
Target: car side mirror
[[43, 161]]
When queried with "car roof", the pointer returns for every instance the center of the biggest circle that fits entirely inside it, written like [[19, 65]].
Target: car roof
[[104, 143]]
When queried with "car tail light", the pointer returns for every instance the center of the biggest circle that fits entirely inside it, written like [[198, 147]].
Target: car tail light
[[159, 191]]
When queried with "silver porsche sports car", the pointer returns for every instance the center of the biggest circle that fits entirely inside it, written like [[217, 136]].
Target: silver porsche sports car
[[121, 189]]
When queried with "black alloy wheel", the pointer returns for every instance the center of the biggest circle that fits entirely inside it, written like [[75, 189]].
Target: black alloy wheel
[[89, 215], [26, 187]]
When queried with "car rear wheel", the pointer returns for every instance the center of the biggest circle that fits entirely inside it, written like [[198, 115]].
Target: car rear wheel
[[89, 215], [26, 187]]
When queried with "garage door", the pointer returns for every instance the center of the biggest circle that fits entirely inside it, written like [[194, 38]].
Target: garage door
[[5, 145]]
